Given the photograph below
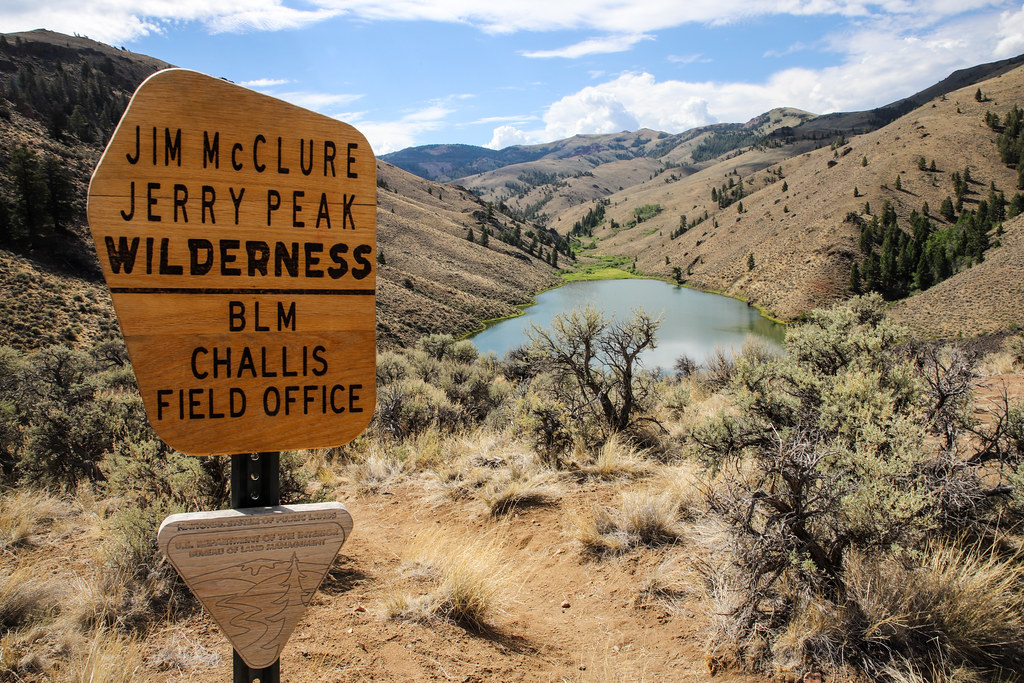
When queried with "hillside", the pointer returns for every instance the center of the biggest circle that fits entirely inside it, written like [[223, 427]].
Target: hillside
[[60, 98], [801, 216], [435, 280], [541, 181]]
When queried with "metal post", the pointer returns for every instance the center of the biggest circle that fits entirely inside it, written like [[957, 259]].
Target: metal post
[[255, 482]]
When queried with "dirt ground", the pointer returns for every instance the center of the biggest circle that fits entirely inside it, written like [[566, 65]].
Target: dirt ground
[[566, 617]]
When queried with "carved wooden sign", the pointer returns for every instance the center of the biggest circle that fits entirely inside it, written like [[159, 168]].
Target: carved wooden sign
[[237, 235], [255, 570]]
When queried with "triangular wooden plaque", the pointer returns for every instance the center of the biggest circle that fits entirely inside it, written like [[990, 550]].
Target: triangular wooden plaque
[[256, 569]]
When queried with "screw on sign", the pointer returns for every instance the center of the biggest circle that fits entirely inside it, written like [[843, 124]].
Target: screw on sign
[[237, 235]]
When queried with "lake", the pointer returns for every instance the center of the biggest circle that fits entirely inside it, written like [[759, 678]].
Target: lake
[[693, 323]]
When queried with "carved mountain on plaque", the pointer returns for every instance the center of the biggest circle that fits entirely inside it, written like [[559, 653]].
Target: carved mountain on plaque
[[255, 570]]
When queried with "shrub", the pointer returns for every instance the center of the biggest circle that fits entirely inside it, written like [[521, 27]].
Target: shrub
[[827, 460], [595, 364], [391, 367], [1015, 347], [437, 346], [409, 406]]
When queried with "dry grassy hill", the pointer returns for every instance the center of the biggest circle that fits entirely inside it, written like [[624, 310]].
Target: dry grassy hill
[[803, 227], [434, 279]]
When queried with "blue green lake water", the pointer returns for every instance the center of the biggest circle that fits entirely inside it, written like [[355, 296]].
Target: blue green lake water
[[693, 323]]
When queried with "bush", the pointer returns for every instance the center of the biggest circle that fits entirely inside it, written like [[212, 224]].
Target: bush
[[437, 346], [1015, 347], [827, 461], [409, 406], [595, 366]]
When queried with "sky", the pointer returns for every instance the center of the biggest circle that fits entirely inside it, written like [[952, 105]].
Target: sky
[[493, 73]]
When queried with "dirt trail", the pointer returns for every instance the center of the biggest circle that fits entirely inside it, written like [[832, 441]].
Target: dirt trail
[[565, 618]]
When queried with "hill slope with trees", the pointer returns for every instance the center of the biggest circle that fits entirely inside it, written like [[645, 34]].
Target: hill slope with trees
[[912, 204], [60, 99]]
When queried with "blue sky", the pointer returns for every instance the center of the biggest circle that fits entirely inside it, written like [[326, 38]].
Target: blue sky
[[412, 72]]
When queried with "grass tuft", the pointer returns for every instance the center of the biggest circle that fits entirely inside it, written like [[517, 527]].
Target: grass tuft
[[517, 490], [453, 579], [109, 658], [642, 518]]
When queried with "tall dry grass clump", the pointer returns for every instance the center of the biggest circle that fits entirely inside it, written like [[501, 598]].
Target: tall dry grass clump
[[958, 607], [464, 581], [617, 459], [108, 657], [641, 517]]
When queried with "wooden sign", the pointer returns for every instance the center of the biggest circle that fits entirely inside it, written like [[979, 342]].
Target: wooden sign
[[237, 234], [255, 570]]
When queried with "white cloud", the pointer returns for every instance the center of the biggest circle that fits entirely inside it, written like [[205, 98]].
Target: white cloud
[[506, 136], [325, 103], [266, 16], [389, 136], [317, 101], [593, 46], [116, 21], [689, 59], [261, 83], [881, 64], [1010, 34], [124, 20]]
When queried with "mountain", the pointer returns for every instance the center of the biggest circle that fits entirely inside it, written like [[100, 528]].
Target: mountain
[[60, 99], [540, 181]]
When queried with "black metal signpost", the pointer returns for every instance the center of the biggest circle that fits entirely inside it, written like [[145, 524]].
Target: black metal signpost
[[255, 482]]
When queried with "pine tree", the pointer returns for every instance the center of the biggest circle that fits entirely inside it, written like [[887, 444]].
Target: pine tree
[[29, 218], [946, 209], [470, 236], [61, 192], [750, 261], [855, 278]]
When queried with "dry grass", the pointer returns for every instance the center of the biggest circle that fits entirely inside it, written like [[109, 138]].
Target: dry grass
[[957, 608], [1000, 363], [517, 490], [110, 658], [642, 518], [25, 513], [26, 594], [670, 583], [617, 460], [182, 651], [378, 471], [460, 580]]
